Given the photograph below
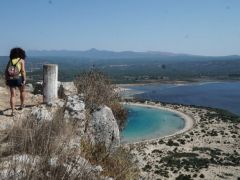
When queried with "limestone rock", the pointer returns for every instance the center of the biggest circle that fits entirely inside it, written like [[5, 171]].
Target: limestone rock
[[74, 108], [19, 162], [75, 112], [66, 89], [78, 167], [103, 128], [41, 113], [6, 124], [81, 164], [58, 103]]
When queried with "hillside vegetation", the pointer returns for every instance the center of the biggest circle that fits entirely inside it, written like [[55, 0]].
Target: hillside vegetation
[[132, 70]]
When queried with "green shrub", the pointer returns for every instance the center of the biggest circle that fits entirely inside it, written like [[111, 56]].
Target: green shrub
[[162, 172], [147, 168], [183, 177], [172, 143]]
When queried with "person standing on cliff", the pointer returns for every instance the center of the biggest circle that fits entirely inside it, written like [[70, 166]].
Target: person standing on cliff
[[15, 76]]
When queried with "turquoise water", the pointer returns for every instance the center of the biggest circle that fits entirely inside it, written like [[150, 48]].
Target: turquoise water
[[146, 123]]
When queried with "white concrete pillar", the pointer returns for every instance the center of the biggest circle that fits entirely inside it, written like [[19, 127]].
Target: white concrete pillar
[[50, 83]]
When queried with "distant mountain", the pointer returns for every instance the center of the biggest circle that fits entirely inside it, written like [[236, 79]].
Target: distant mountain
[[105, 54], [101, 54]]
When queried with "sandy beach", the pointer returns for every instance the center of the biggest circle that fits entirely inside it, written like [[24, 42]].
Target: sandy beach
[[206, 148]]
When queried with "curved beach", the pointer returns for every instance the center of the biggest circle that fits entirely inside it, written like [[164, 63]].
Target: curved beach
[[207, 139], [188, 120]]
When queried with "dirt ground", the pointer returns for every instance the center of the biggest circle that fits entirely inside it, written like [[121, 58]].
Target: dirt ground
[[5, 110]]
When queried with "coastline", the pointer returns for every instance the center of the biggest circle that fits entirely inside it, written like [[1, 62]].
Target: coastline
[[142, 83], [206, 149], [189, 121], [174, 94]]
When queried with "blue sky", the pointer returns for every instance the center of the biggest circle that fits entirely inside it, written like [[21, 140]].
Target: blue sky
[[204, 27]]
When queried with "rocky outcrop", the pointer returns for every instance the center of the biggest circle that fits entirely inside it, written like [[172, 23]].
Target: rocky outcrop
[[75, 112], [100, 127], [74, 108], [46, 112], [103, 128], [41, 113]]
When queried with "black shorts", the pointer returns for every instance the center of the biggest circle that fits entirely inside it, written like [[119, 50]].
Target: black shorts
[[15, 82]]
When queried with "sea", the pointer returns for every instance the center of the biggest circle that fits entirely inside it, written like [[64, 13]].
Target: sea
[[224, 95]]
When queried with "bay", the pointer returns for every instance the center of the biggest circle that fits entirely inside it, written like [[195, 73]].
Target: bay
[[223, 95]]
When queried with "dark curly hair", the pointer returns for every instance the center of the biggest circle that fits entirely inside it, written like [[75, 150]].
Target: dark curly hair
[[17, 53]]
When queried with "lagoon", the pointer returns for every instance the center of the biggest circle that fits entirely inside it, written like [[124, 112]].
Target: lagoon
[[147, 123]]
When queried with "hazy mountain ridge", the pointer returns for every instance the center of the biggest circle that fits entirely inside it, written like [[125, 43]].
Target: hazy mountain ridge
[[106, 54], [102, 54]]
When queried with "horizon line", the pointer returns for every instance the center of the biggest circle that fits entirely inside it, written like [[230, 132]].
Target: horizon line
[[133, 51]]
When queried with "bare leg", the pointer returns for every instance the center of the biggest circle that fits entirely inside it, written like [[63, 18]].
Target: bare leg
[[22, 95], [12, 99]]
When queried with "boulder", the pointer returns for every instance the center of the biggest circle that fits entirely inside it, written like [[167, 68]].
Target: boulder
[[103, 128]]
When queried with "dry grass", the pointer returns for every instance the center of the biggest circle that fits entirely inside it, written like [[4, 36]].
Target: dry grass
[[118, 164], [40, 138], [43, 151], [120, 114], [98, 90]]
